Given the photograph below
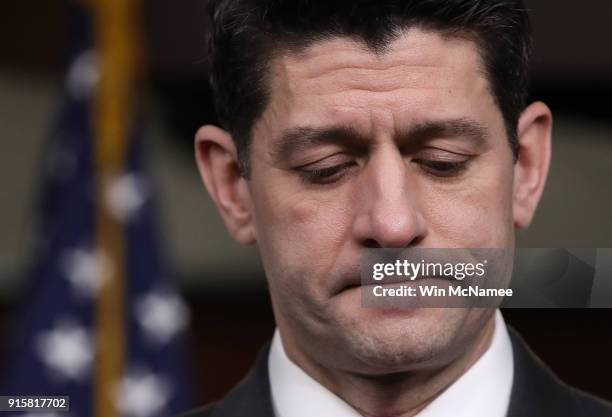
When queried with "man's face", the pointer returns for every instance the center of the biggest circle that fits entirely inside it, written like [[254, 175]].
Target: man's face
[[355, 150]]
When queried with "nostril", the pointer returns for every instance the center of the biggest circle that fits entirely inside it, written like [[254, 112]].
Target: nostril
[[374, 244], [371, 243]]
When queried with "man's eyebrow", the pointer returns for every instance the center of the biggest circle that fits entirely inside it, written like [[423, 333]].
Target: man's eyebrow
[[295, 140], [469, 129]]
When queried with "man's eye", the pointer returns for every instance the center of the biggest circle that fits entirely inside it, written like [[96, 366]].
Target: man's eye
[[442, 168], [324, 175]]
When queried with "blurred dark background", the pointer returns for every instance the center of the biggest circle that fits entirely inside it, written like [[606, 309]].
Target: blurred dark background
[[222, 282]]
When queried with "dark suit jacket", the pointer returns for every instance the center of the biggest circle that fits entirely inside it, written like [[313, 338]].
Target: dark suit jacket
[[535, 392]]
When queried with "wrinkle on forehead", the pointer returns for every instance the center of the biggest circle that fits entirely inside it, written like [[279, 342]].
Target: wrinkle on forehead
[[416, 53]]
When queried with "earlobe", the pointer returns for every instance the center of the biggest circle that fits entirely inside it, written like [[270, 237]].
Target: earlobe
[[531, 169], [217, 161]]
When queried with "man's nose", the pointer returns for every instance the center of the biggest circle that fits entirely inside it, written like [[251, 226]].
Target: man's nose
[[388, 214]]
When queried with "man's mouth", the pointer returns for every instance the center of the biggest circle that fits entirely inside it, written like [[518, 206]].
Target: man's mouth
[[389, 281]]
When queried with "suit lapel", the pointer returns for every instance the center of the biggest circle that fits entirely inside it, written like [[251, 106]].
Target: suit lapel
[[252, 397], [536, 391]]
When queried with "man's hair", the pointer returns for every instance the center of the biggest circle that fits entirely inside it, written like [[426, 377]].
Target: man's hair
[[247, 34]]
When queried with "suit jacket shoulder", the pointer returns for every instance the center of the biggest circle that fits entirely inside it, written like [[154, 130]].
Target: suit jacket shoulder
[[536, 392], [251, 397]]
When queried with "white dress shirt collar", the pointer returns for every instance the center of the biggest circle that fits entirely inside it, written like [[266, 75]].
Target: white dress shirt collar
[[482, 391]]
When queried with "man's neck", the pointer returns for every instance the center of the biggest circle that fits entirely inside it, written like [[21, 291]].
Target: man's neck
[[402, 394]]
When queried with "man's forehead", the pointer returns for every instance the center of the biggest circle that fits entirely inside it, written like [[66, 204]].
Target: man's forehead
[[341, 80], [412, 51]]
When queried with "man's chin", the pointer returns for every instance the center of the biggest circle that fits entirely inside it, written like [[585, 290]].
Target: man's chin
[[397, 340]]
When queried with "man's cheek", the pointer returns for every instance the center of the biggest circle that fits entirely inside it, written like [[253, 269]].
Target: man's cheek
[[302, 228], [474, 217]]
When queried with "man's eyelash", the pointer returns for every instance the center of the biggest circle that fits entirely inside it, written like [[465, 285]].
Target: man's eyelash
[[436, 168], [442, 168], [324, 175]]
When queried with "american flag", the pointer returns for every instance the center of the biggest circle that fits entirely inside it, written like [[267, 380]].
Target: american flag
[[99, 321]]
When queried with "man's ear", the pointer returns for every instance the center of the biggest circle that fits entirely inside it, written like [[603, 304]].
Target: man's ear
[[531, 169], [217, 160]]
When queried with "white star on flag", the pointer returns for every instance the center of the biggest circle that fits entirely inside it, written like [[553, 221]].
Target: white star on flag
[[83, 75], [67, 349], [142, 394], [86, 270], [125, 195], [161, 315]]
